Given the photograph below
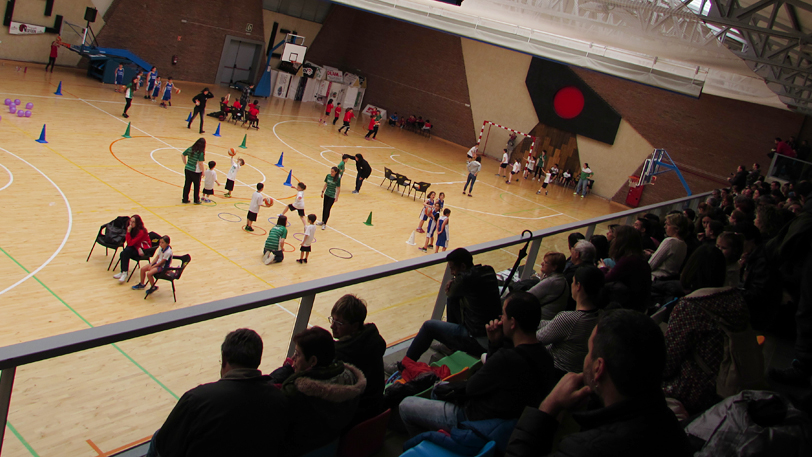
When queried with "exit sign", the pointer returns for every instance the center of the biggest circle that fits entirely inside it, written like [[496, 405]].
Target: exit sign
[[249, 28]]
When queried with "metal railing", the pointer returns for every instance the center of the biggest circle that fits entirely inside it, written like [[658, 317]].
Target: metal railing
[[29, 352], [789, 169]]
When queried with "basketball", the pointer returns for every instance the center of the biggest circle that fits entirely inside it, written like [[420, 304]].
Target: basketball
[[177, 91], [232, 152], [268, 201]]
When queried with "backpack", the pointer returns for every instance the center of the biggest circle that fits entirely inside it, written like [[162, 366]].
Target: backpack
[[742, 366], [115, 231]]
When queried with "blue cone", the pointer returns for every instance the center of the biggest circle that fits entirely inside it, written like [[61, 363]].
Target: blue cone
[[217, 133], [59, 89], [42, 136], [189, 119], [287, 182], [281, 156]]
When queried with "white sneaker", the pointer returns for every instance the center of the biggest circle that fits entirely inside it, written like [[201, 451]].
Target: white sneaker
[[323, 226], [119, 275], [123, 277], [267, 258]]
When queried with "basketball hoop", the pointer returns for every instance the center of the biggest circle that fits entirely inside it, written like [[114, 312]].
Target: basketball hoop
[[634, 181]]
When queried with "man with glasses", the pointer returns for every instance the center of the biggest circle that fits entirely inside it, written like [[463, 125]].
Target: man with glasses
[[361, 345]]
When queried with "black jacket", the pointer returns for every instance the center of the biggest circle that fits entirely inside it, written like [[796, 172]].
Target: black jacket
[[364, 170], [640, 427], [202, 98], [473, 299], [511, 379], [241, 414], [739, 179], [365, 351]]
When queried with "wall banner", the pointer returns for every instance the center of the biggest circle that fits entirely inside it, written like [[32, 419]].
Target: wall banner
[[19, 28]]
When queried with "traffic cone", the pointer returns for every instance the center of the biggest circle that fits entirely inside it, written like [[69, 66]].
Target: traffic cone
[[287, 182], [59, 89], [189, 119], [42, 136], [279, 164], [369, 220], [127, 133], [410, 241], [243, 142], [217, 133]]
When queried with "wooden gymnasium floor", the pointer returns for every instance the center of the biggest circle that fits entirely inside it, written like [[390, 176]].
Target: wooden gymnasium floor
[[54, 197]]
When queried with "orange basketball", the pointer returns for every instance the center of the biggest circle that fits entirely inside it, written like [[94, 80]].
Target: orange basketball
[[232, 152], [177, 91], [268, 201]]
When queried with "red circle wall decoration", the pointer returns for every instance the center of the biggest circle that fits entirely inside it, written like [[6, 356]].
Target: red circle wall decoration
[[568, 102]]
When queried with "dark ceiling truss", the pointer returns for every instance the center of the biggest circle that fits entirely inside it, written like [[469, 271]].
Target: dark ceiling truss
[[777, 50]]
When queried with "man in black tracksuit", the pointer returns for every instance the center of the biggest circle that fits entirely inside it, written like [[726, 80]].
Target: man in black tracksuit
[[200, 107]]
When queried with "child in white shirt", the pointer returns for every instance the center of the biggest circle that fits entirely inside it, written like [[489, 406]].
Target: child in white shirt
[[232, 175], [163, 256], [298, 202], [547, 180], [504, 164], [209, 179], [253, 208], [309, 236], [516, 167]]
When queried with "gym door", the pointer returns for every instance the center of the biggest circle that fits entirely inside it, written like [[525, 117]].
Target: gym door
[[238, 61]]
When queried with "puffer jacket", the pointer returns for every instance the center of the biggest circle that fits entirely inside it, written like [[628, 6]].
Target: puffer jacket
[[323, 401]]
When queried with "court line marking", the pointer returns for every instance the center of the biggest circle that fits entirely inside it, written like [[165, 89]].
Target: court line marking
[[349, 173], [363, 244], [22, 440], [362, 147], [67, 232], [503, 215], [418, 169], [10, 177], [153, 212]]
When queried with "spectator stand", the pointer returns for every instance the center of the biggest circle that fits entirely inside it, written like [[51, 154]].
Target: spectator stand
[[784, 169]]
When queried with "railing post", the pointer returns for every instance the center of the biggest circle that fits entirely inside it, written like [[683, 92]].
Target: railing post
[[590, 231], [302, 319], [6, 383], [772, 166], [531, 258], [439, 305]]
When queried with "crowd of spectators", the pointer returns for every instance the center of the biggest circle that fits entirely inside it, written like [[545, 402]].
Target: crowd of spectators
[[625, 333], [412, 123]]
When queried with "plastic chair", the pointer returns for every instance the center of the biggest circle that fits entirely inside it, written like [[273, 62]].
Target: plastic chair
[[457, 361], [390, 175], [429, 449], [172, 274], [418, 188], [120, 223], [328, 450], [366, 438], [404, 182]]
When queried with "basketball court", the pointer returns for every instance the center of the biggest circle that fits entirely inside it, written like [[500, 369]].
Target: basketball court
[[54, 197]]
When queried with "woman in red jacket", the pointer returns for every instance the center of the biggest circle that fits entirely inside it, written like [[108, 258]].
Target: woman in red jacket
[[138, 242]]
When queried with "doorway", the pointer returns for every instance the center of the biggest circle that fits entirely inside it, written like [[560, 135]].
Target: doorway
[[239, 60]]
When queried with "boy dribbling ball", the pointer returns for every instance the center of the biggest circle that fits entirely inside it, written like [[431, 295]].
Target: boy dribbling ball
[[253, 209], [309, 236], [298, 202]]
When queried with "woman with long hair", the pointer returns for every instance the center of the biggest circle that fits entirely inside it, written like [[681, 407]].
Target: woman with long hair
[[629, 282], [191, 157], [138, 243]]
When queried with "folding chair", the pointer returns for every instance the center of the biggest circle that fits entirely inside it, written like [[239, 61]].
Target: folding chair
[[390, 175], [172, 274], [419, 187], [404, 182]]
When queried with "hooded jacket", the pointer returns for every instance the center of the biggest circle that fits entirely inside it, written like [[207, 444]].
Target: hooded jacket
[[365, 350], [323, 401]]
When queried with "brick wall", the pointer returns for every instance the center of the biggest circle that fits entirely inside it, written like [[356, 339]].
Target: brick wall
[[707, 137], [150, 29], [409, 69]]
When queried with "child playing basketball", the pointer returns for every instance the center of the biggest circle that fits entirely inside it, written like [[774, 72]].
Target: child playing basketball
[[432, 227], [504, 164], [441, 199], [156, 89], [323, 120], [232, 175], [516, 167], [425, 211], [338, 112], [309, 236], [152, 76], [347, 118], [120, 78], [298, 202], [528, 166], [547, 180], [275, 243], [209, 180], [167, 98], [442, 231], [253, 208], [163, 255], [129, 90]]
